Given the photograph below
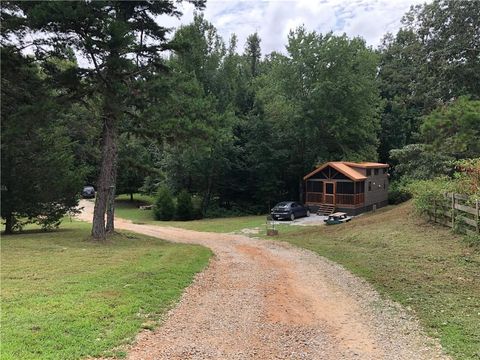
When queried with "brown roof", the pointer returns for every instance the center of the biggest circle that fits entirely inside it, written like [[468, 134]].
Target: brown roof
[[366, 164], [347, 169]]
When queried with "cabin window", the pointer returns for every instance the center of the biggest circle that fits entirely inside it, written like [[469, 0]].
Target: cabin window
[[384, 171], [376, 171], [369, 172], [369, 186]]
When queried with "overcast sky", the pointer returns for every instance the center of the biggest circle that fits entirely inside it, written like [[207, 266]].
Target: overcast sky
[[273, 19]]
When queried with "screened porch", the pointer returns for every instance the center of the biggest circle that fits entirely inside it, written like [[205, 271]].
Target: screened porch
[[335, 192]]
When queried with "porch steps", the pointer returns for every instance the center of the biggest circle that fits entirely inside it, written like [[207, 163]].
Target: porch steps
[[326, 209]]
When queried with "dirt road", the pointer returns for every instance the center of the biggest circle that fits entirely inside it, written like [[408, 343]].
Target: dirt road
[[263, 299]]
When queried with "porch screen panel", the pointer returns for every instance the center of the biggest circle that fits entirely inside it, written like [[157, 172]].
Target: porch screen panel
[[345, 188], [314, 191], [360, 187], [314, 186]]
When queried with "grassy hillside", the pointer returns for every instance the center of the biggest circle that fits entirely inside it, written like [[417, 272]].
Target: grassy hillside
[[423, 266], [65, 297]]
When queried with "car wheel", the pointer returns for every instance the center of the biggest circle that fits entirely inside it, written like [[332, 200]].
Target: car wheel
[[292, 216], [308, 213]]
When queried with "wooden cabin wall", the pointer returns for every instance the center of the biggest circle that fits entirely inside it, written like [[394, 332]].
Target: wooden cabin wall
[[376, 188]]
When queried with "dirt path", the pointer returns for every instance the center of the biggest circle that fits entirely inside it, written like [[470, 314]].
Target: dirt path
[[262, 299]]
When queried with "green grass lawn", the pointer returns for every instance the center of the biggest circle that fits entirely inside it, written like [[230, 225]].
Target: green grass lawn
[[425, 267], [130, 210], [141, 199], [66, 297], [126, 209], [221, 225]]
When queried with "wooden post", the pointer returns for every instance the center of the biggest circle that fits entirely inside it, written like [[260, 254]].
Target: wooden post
[[476, 216], [453, 210], [434, 210]]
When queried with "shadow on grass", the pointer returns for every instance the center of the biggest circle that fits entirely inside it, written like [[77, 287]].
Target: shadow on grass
[[38, 231], [130, 204]]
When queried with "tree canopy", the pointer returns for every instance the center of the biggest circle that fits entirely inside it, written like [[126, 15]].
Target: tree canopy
[[122, 41], [231, 128], [432, 60], [40, 182]]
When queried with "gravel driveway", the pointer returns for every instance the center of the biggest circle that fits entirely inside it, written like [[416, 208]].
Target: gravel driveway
[[262, 299], [313, 219]]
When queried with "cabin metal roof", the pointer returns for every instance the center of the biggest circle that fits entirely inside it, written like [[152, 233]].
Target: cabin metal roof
[[347, 169], [366, 164]]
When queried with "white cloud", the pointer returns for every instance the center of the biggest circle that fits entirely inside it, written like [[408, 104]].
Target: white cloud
[[273, 19], [370, 19]]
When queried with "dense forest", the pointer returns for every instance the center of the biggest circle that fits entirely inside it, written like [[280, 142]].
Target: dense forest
[[186, 111]]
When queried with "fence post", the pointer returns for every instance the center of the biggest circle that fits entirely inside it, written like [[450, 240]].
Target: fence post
[[453, 210], [476, 216], [434, 210]]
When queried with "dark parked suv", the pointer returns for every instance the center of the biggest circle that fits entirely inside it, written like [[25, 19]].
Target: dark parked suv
[[289, 210], [88, 192]]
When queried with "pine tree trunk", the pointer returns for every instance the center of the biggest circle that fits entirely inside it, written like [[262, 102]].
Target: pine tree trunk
[[105, 200], [111, 201], [110, 227], [106, 178], [9, 224]]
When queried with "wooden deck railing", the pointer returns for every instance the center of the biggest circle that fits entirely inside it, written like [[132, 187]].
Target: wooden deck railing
[[314, 197], [340, 199], [350, 199]]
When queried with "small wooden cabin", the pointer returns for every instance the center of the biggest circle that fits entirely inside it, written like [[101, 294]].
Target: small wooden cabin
[[347, 186]]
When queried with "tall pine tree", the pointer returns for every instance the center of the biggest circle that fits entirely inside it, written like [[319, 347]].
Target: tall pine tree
[[122, 41]]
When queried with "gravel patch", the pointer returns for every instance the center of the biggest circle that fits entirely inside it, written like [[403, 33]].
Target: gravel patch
[[248, 231], [312, 220]]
